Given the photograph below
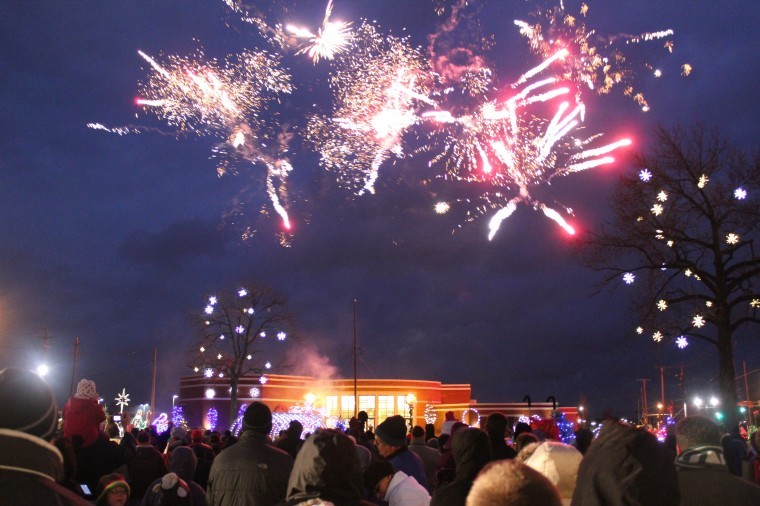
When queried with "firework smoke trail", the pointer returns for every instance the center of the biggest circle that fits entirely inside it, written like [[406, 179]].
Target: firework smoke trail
[[224, 101]]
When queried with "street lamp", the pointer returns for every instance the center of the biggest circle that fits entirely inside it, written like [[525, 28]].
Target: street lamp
[[42, 370], [174, 398]]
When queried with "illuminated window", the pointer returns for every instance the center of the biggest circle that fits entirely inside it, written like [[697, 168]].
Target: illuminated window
[[401, 407], [347, 403], [367, 403], [384, 407], [331, 405]]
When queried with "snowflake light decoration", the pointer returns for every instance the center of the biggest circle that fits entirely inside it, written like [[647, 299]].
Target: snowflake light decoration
[[740, 194], [254, 392], [645, 175], [212, 300], [263, 380], [639, 330], [754, 303], [657, 209], [687, 272], [629, 278], [268, 365], [703, 180], [732, 238], [122, 399], [657, 336], [239, 329], [662, 305], [281, 336], [242, 292], [662, 196], [209, 309], [682, 342], [208, 372], [698, 321], [708, 303]]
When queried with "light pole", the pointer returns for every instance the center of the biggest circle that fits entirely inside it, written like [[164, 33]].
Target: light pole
[[174, 398]]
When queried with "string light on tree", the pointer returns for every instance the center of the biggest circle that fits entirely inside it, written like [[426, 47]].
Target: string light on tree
[[212, 417], [430, 414]]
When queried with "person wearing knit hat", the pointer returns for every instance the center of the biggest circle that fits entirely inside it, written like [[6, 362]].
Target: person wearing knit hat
[[251, 471], [172, 491], [82, 415], [113, 490], [390, 439], [394, 487], [30, 467]]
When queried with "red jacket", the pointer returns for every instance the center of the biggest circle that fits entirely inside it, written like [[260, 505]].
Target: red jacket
[[82, 416]]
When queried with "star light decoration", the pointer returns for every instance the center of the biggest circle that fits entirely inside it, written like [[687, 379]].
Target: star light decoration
[[122, 400]]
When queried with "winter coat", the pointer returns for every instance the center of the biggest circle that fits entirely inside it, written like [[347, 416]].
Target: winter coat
[[471, 450], [82, 416], [626, 466], [30, 469], [205, 455], [404, 490], [183, 463], [251, 472], [327, 471], [409, 462], [429, 457], [144, 468], [705, 480]]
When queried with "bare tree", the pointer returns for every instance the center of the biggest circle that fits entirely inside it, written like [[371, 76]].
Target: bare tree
[[234, 328], [682, 235]]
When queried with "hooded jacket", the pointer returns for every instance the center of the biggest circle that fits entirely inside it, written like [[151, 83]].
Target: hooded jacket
[[626, 466], [326, 469], [251, 472], [704, 479], [471, 450], [559, 462]]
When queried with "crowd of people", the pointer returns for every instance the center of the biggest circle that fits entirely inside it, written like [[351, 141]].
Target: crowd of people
[[80, 463]]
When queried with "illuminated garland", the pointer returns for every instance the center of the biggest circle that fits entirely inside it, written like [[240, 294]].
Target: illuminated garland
[[566, 430], [467, 415]]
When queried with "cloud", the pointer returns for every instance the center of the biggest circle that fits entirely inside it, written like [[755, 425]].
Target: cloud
[[192, 238]]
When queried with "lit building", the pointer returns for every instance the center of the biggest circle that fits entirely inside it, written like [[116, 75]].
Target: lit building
[[418, 401]]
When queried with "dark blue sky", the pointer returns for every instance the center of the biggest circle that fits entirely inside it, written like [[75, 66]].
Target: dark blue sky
[[115, 239]]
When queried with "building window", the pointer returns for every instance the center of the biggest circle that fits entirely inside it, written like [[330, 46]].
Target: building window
[[401, 406], [384, 407], [347, 403], [331, 405], [367, 404]]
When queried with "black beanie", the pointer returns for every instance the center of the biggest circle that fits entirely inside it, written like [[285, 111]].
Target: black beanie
[[27, 403], [375, 472], [392, 431], [258, 418]]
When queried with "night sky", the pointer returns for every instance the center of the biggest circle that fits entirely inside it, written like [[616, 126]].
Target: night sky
[[117, 239]]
